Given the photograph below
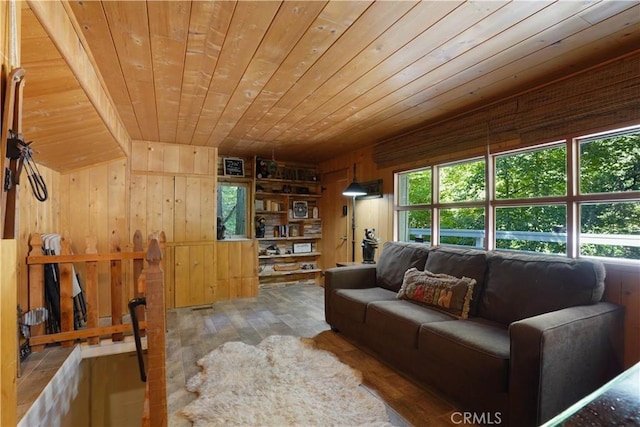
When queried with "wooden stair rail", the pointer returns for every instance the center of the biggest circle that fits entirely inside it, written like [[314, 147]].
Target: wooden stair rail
[[92, 333], [155, 408]]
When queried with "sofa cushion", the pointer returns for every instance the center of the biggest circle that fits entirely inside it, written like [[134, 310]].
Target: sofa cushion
[[395, 259], [460, 262], [401, 320], [475, 348], [520, 286], [352, 303], [441, 291]]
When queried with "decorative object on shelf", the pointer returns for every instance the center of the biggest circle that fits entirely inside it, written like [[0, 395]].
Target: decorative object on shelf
[[354, 190], [300, 209], [301, 248], [315, 212], [220, 229], [373, 190], [286, 267], [262, 169], [260, 226], [286, 189], [273, 250], [369, 245], [233, 166]]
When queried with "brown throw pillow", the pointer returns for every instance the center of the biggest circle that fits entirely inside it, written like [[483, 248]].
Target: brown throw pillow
[[448, 293]]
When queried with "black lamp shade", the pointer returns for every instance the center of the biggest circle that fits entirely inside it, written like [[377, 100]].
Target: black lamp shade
[[354, 189]]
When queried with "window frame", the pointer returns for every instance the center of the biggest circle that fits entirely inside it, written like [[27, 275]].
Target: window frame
[[572, 200], [247, 212]]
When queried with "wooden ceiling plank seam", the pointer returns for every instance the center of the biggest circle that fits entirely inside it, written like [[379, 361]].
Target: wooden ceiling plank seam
[[322, 34], [375, 20], [431, 73], [308, 120], [449, 74], [209, 21], [93, 21], [420, 18], [168, 27], [285, 31], [507, 19], [129, 26], [560, 50], [238, 49], [582, 76]]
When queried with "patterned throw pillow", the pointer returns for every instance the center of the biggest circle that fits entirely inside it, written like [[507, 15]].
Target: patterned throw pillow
[[448, 293]]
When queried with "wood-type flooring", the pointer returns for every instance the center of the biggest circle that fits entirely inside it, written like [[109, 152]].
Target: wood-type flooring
[[296, 310]]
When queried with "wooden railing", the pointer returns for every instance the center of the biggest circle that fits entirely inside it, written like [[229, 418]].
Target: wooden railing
[[93, 332], [152, 279], [149, 283]]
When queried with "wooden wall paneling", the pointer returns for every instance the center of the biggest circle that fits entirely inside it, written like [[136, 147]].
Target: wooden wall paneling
[[250, 279], [156, 194], [209, 272], [9, 352], [171, 160], [182, 279], [139, 156], [155, 158], [193, 209], [223, 273], [208, 209], [35, 217], [138, 204], [234, 266], [196, 275], [167, 209], [169, 266], [631, 302]]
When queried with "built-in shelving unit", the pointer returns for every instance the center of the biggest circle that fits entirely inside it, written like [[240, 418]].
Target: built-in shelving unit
[[286, 205]]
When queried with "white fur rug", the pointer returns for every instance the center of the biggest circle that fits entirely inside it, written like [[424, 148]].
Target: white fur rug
[[283, 381]]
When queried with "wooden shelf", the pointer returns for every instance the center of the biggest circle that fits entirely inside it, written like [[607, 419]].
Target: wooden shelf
[[299, 255], [288, 273], [271, 194], [290, 238], [271, 212]]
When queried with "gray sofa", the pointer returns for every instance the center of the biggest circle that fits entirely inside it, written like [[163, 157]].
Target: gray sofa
[[536, 337]]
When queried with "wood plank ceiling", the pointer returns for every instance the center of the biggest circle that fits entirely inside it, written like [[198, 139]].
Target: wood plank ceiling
[[303, 80]]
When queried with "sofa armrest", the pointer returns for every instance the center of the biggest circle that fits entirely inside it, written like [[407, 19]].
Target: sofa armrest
[[350, 277], [559, 357]]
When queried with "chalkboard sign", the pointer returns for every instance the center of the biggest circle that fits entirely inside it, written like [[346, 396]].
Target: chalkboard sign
[[233, 166]]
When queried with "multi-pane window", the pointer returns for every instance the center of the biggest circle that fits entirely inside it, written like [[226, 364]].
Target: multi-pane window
[[530, 194], [415, 195], [609, 188], [544, 199]]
